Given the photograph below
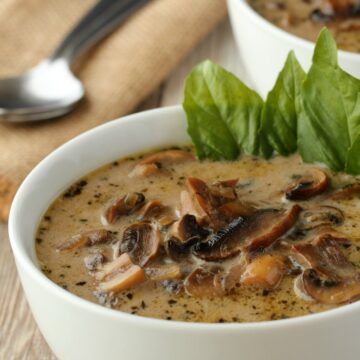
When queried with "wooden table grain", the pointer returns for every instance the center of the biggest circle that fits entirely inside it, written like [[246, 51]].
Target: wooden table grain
[[20, 338]]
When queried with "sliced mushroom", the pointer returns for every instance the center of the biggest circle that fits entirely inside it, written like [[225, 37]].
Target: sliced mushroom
[[225, 243], [187, 229], [180, 248], [119, 275], [200, 283], [302, 235], [234, 209], [348, 192], [163, 272], [323, 231], [322, 215], [200, 196], [300, 291], [144, 170], [177, 250], [216, 204], [223, 191], [231, 183], [191, 207], [339, 7], [325, 256], [327, 290], [141, 241], [166, 220], [156, 210], [248, 233], [126, 205], [94, 261], [266, 271], [328, 277], [88, 238], [274, 227], [151, 209], [183, 235], [230, 279], [313, 183], [155, 162]]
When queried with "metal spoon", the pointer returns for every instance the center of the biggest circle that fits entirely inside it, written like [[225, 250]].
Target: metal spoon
[[50, 89]]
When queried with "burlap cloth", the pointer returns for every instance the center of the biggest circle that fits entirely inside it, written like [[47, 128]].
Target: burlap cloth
[[118, 73]]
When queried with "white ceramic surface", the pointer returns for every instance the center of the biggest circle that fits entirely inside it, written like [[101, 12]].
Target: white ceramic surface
[[264, 47], [77, 329]]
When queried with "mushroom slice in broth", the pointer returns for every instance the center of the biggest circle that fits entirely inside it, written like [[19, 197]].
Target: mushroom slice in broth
[[187, 229], [216, 204], [141, 242], [119, 275], [312, 183], [152, 209], [329, 277], [161, 272], [339, 7], [265, 271], [271, 227], [347, 192], [230, 279], [321, 215], [325, 256], [251, 234], [154, 163], [326, 290], [87, 238], [125, 205], [201, 282], [183, 234]]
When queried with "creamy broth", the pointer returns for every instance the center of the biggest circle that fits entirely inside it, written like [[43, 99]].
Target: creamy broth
[[261, 182], [306, 19]]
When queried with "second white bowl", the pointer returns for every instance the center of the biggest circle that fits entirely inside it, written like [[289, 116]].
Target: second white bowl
[[264, 47]]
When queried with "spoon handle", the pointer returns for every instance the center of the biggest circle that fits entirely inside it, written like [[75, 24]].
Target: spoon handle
[[96, 24]]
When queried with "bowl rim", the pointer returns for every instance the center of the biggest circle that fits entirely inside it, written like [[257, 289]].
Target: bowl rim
[[24, 260], [284, 35]]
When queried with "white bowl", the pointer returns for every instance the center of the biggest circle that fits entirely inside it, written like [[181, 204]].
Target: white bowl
[[264, 47], [77, 329]]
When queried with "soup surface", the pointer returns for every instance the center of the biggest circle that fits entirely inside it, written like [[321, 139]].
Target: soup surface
[[170, 237], [305, 18]]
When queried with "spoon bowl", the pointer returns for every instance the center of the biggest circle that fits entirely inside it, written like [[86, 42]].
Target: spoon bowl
[[48, 90]]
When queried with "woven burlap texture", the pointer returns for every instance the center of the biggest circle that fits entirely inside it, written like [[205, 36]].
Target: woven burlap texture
[[118, 73]]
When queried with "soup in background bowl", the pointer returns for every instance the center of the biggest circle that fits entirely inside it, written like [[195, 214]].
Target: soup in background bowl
[[264, 38], [77, 328], [306, 18]]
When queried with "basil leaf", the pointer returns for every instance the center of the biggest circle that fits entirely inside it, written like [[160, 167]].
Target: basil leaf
[[353, 158], [327, 125], [223, 114], [317, 113], [265, 149], [279, 117], [354, 120]]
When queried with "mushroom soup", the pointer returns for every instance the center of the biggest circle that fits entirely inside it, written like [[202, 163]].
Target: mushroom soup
[[167, 236], [305, 18]]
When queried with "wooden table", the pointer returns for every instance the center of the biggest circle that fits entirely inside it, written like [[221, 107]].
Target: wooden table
[[19, 336]]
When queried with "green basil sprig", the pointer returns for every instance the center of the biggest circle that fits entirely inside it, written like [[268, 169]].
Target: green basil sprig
[[317, 113]]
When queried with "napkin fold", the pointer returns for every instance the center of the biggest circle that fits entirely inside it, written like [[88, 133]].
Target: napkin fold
[[117, 74]]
